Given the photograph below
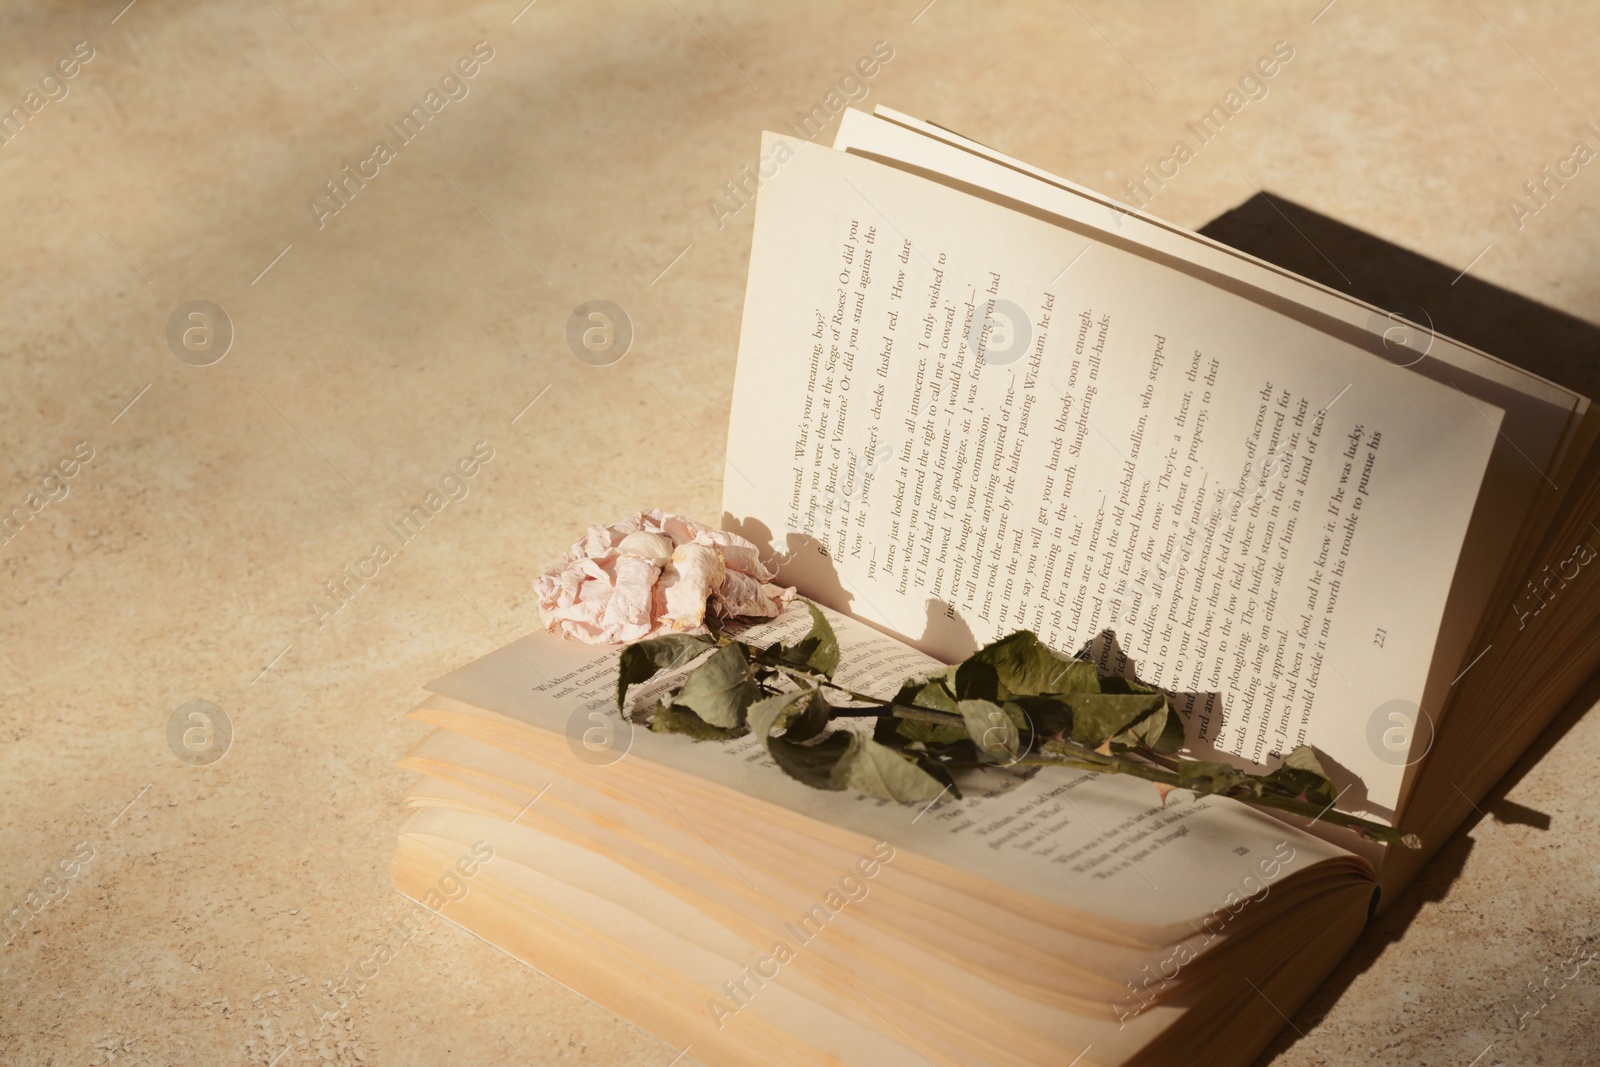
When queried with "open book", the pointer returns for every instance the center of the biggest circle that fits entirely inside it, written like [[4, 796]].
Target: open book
[[973, 398]]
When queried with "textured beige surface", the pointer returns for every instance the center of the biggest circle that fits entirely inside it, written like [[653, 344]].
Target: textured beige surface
[[378, 349]]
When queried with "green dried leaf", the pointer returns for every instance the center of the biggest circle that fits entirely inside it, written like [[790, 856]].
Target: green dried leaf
[[1026, 667], [1047, 717], [1172, 736], [842, 760], [926, 694], [886, 731], [1204, 776], [641, 660], [1115, 683], [802, 714], [929, 695], [812, 764], [1099, 717], [936, 769], [1153, 729], [818, 650], [674, 720], [932, 734], [811, 720], [977, 680], [880, 771], [995, 731], [1302, 773], [721, 688], [816, 765], [1014, 695], [1162, 732]]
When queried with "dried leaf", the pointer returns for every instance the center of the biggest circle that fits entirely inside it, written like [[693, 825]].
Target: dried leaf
[[1172, 737], [721, 688], [818, 650], [1007, 697], [1026, 667], [928, 694], [977, 680], [1152, 730], [674, 720], [1302, 774], [933, 734], [641, 660], [816, 765], [842, 760], [1047, 716], [995, 731], [879, 771], [1204, 776], [802, 714], [1099, 717]]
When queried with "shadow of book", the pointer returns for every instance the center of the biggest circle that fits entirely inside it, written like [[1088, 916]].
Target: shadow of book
[[1540, 339], [1433, 884], [1431, 294]]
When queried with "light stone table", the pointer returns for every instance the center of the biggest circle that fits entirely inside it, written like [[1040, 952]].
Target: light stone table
[[374, 345]]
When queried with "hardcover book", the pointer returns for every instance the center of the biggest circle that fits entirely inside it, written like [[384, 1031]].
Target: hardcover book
[[973, 398]]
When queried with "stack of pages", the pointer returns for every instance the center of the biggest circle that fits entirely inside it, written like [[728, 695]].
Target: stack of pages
[[973, 398]]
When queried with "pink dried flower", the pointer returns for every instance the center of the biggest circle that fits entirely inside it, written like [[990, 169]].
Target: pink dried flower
[[653, 574]]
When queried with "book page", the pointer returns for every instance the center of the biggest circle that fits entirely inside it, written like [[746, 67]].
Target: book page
[[1099, 844], [958, 433], [637, 952], [1535, 459], [1537, 412], [687, 958]]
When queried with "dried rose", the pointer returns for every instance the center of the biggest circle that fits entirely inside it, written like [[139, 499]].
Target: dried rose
[[652, 574]]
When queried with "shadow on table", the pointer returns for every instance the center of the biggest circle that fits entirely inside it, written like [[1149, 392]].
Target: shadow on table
[[1541, 339], [1434, 881]]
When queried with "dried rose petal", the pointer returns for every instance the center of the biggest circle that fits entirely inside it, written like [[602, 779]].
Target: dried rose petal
[[743, 595], [612, 586], [628, 607], [700, 573]]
